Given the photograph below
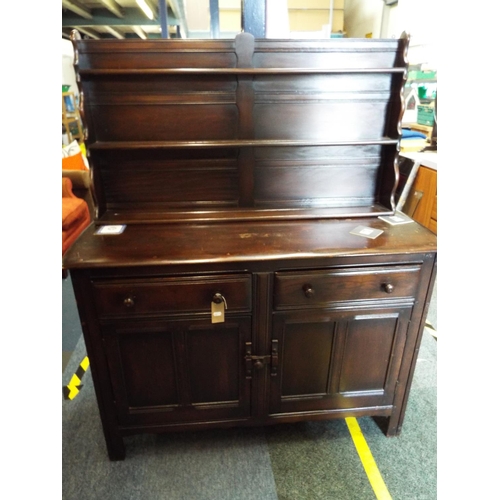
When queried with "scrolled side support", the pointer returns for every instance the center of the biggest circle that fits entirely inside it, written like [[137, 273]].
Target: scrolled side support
[[405, 37]]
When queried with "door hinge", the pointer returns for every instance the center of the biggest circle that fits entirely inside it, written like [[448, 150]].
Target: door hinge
[[257, 362]]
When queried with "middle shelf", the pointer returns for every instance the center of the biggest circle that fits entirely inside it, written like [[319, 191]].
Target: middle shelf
[[236, 143]]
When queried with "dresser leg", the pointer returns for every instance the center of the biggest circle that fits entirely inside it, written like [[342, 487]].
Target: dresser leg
[[116, 447], [388, 425]]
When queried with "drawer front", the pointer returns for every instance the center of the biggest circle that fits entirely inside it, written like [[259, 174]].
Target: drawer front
[[172, 294], [323, 287]]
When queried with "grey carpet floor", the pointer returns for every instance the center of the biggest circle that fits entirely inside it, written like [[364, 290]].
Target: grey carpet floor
[[317, 460], [305, 461], [213, 465]]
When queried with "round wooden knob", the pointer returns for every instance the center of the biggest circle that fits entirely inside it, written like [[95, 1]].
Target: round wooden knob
[[217, 298], [129, 302], [388, 287], [308, 291]]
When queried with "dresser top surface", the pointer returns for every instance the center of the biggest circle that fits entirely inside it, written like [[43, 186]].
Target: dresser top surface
[[179, 244]]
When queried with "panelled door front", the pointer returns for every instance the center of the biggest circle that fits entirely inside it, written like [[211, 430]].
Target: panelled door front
[[178, 370], [337, 360]]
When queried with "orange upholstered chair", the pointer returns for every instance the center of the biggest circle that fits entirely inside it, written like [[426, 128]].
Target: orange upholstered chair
[[75, 214]]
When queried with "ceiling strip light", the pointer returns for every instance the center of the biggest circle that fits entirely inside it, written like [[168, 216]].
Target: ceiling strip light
[[145, 8]]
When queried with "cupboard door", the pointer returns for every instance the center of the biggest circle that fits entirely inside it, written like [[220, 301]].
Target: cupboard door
[[178, 370], [337, 360]]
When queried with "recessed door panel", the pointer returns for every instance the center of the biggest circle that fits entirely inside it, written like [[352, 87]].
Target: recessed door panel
[[307, 352], [148, 364], [367, 352], [213, 364]]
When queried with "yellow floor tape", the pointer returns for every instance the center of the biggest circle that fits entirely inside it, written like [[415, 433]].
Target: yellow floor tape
[[366, 457], [74, 386]]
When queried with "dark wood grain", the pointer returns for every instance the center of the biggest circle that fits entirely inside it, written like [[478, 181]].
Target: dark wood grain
[[177, 371], [350, 284], [332, 360], [239, 170], [160, 244], [171, 295], [244, 94]]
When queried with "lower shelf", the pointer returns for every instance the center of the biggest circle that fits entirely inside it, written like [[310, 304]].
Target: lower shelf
[[132, 216]]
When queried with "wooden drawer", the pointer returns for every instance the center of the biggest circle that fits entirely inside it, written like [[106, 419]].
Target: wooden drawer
[[172, 294], [322, 287]]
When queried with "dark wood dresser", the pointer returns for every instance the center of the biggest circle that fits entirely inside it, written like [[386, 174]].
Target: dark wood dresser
[[234, 292]]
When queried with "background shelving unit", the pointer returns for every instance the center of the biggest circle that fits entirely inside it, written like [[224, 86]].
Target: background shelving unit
[[424, 84], [71, 120]]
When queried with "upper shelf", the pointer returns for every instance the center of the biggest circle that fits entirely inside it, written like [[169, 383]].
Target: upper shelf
[[243, 55], [243, 129], [237, 71]]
